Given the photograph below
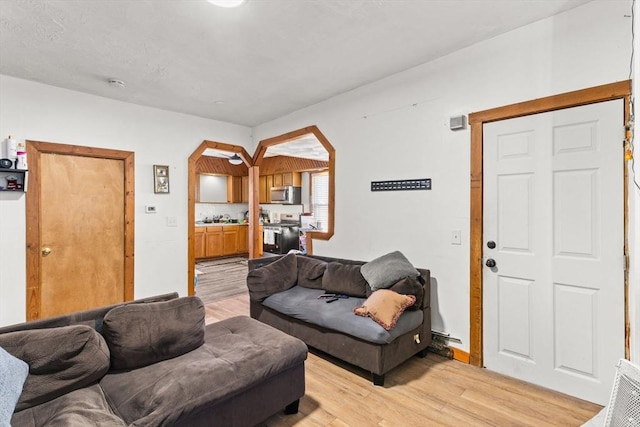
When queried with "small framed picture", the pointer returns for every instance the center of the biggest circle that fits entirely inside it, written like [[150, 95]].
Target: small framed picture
[[161, 178]]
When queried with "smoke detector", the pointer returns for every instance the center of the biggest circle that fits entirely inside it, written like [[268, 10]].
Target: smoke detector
[[226, 3], [116, 83]]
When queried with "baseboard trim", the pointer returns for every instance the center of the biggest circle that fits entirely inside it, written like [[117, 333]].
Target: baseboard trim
[[460, 355]]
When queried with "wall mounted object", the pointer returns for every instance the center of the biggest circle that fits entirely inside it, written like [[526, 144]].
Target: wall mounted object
[[458, 122], [160, 179], [402, 184]]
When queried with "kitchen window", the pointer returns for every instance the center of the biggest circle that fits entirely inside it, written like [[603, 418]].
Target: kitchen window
[[320, 199]]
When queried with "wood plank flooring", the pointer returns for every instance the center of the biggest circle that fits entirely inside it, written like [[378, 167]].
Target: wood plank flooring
[[433, 391], [221, 278]]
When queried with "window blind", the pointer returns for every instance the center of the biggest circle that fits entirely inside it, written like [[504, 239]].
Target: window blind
[[320, 199]]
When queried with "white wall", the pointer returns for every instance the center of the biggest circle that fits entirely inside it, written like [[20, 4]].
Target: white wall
[[398, 128], [38, 112]]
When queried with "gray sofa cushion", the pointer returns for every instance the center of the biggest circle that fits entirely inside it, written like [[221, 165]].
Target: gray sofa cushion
[[386, 270], [275, 277], [60, 360], [310, 272], [344, 279], [238, 353], [83, 407], [141, 334], [303, 304]]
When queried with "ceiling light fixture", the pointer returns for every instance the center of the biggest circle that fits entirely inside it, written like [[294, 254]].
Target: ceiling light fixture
[[226, 3], [235, 160]]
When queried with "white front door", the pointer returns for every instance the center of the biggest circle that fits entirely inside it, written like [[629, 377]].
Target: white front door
[[553, 304]]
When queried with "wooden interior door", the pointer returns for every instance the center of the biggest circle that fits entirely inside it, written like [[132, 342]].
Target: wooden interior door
[[80, 254]]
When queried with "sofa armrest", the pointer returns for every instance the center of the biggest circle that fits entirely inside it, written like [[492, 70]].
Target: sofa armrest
[[425, 279], [273, 277]]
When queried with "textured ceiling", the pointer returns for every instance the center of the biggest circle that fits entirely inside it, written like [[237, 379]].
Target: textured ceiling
[[246, 65]]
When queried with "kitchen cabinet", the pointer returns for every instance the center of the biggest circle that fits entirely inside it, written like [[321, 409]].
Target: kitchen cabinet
[[221, 240], [234, 189], [269, 185], [199, 243], [287, 178], [245, 189], [277, 180], [243, 239], [292, 178], [265, 183], [213, 242], [230, 239]]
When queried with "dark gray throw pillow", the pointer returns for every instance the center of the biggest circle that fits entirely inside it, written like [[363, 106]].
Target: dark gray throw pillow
[[344, 279], [410, 286], [386, 270], [310, 272], [276, 277], [60, 360], [141, 334]]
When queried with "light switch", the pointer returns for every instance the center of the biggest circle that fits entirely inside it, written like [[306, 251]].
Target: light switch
[[456, 237], [150, 209], [172, 221]]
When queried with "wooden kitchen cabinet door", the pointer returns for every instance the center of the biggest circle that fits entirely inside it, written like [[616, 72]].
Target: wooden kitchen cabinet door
[[269, 185], [292, 178], [230, 243], [234, 189], [214, 242], [199, 242], [245, 189], [243, 239], [263, 189]]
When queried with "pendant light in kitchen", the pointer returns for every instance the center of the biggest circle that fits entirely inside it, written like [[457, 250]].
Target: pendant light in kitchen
[[235, 160]]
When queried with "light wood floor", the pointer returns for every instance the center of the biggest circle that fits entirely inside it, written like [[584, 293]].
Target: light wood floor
[[432, 391]]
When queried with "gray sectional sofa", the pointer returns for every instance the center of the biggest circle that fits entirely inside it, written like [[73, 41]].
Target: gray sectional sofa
[[286, 292], [151, 362]]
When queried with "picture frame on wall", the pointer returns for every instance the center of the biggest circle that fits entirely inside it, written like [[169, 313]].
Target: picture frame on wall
[[160, 179]]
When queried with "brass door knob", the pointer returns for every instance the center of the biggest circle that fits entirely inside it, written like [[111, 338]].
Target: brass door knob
[[46, 251]]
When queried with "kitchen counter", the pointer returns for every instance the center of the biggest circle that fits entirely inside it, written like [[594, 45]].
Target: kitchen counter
[[215, 224]]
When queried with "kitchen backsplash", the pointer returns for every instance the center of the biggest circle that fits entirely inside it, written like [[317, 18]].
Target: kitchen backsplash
[[204, 210]]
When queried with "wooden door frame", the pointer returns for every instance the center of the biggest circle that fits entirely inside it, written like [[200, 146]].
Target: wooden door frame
[[608, 92], [33, 204], [192, 182], [259, 155]]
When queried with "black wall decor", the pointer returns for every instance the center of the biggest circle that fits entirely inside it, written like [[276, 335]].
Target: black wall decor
[[401, 184]]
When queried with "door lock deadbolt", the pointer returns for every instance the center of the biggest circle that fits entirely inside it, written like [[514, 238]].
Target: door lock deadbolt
[[491, 244]]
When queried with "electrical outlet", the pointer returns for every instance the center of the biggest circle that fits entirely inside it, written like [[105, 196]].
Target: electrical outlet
[[172, 221], [456, 237]]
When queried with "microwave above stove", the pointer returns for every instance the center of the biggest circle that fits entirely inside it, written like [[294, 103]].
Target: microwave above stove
[[286, 195]]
